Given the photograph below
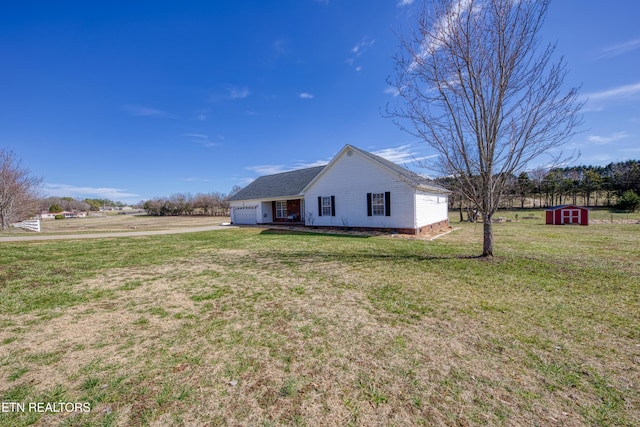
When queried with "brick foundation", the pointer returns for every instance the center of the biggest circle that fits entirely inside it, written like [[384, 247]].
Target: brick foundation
[[425, 230], [435, 228]]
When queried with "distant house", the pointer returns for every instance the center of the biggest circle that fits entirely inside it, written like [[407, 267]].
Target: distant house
[[567, 214], [47, 215], [65, 214], [356, 189]]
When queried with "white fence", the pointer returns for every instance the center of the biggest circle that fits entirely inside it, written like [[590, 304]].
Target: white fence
[[29, 224]]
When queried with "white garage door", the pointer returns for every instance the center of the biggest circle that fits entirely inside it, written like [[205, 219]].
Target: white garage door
[[244, 215]]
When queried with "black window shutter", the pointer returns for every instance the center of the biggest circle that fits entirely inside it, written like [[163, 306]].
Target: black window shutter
[[333, 205], [387, 203], [319, 206], [368, 204]]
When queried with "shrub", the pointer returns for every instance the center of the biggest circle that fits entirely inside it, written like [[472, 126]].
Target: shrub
[[629, 201]]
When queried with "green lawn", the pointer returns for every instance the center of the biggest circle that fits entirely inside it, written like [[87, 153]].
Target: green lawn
[[255, 327]]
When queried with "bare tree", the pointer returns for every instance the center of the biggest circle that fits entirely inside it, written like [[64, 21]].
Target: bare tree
[[476, 87], [18, 190], [537, 178]]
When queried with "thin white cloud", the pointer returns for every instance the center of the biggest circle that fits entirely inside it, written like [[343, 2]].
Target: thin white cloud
[[607, 139], [267, 169], [305, 165], [195, 179], [362, 46], [305, 95], [619, 49], [358, 50], [595, 100], [196, 135], [392, 91], [399, 155], [141, 111], [280, 48], [625, 91], [79, 192], [243, 182], [205, 140], [441, 30], [402, 155], [201, 117], [236, 92], [274, 169], [403, 3]]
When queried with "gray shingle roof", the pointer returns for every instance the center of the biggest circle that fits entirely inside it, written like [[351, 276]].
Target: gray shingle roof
[[279, 185]]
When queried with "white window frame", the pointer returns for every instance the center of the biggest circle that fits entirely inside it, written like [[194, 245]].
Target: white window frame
[[377, 204], [326, 205], [281, 209]]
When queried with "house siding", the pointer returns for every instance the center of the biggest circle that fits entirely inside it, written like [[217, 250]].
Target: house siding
[[266, 214], [430, 208], [349, 180]]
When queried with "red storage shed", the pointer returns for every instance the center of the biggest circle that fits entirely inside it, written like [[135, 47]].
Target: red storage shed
[[568, 214]]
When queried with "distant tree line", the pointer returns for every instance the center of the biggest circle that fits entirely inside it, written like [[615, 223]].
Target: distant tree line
[[213, 204], [616, 185], [69, 204], [97, 204]]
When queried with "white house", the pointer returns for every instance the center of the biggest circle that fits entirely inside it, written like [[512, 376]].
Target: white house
[[356, 189], [65, 214]]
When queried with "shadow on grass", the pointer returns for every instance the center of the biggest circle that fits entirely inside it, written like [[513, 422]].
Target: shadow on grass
[[311, 232], [365, 254]]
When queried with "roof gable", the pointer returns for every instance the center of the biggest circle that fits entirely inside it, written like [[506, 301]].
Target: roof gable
[[555, 208], [411, 178], [297, 182], [278, 185]]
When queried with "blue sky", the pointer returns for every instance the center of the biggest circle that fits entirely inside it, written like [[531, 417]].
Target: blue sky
[[131, 100]]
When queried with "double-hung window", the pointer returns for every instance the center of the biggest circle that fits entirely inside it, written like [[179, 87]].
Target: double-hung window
[[281, 209], [379, 204], [326, 206]]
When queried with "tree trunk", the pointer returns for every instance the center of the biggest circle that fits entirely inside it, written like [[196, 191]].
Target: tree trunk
[[487, 246]]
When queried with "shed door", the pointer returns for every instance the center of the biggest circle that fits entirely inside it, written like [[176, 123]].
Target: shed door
[[244, 215], [571, 216]]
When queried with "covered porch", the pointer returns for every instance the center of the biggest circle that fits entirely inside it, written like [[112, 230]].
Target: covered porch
[[285, 211]]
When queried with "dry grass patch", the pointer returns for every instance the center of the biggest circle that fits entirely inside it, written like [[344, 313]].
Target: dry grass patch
[[244, 327]]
